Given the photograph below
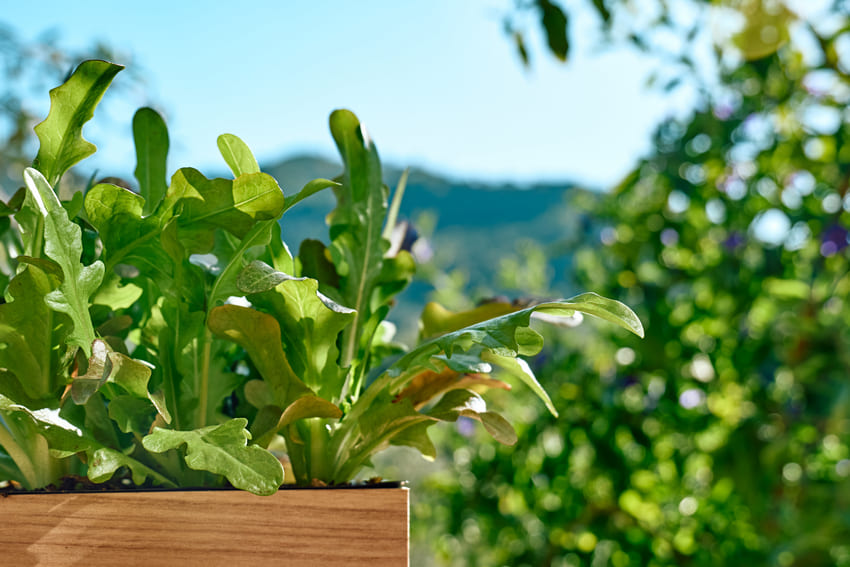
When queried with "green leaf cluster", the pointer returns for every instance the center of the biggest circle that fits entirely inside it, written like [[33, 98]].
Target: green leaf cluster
[[169, 335]]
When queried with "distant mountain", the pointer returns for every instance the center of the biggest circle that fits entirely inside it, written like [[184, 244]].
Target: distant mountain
[[471, 226]]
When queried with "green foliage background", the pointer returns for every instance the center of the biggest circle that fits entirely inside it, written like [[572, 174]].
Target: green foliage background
[[723, 438]]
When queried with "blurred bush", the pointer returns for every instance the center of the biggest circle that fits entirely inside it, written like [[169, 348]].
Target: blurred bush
[[723, 438]]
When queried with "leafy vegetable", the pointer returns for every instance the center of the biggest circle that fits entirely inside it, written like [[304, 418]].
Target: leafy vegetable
[[188, 339]]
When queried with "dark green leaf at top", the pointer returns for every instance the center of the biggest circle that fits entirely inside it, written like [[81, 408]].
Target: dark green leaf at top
[[554, 22], [151, 138]]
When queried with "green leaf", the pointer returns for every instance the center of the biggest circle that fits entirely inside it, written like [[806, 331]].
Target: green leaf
[[258, 277], [131, 414], [316, 264], [116, 214], [311, 188], [372, 432], [224, 450], [554, 22], [307, 407], [209, 205], [65, 439], [238, 156], [357, 246], [437, 320], [99, 367], [602, 10], [116, 296], [258, 195], [509, 335], [151, 138], [520, 369], [466, 403], [104, 461], [259, 335], [26, 334], [428, 384], [21, 438], [131, 375], [416, 436], [71, 106], [395, 206], [63, 244], [310, 324], [226, 284]]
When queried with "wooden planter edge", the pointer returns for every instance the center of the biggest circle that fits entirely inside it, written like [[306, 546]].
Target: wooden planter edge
[[302, 527]]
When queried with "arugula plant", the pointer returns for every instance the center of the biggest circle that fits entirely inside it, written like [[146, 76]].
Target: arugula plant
[[170, 335]]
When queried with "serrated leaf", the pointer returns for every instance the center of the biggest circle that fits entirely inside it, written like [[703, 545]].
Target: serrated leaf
[[237, 155], [63, 244], [151, 140], [116, 296], [116, 214], [224, 450], [72, 104], [356, 224]]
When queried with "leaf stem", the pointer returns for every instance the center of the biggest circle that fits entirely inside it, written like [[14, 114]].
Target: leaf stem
[[205, 379], [20, 457]]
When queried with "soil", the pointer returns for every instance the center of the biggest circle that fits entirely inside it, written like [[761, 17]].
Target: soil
[[74, 483]]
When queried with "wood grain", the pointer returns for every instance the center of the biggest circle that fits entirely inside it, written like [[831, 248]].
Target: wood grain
[[351, 527]]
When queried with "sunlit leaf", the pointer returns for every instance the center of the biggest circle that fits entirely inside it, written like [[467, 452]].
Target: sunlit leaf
[[72, 104], [223, 449], [63, 244], [238, 156]]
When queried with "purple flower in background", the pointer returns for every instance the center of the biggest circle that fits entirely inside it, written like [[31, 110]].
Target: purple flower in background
[[833, 240], [465, 426], [669, 237], [734, 241]]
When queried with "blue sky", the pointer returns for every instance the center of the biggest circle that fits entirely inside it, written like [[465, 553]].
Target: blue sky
[[437, 83]]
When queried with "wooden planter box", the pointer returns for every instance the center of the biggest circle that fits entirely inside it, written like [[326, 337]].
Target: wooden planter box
[[295, 527]]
